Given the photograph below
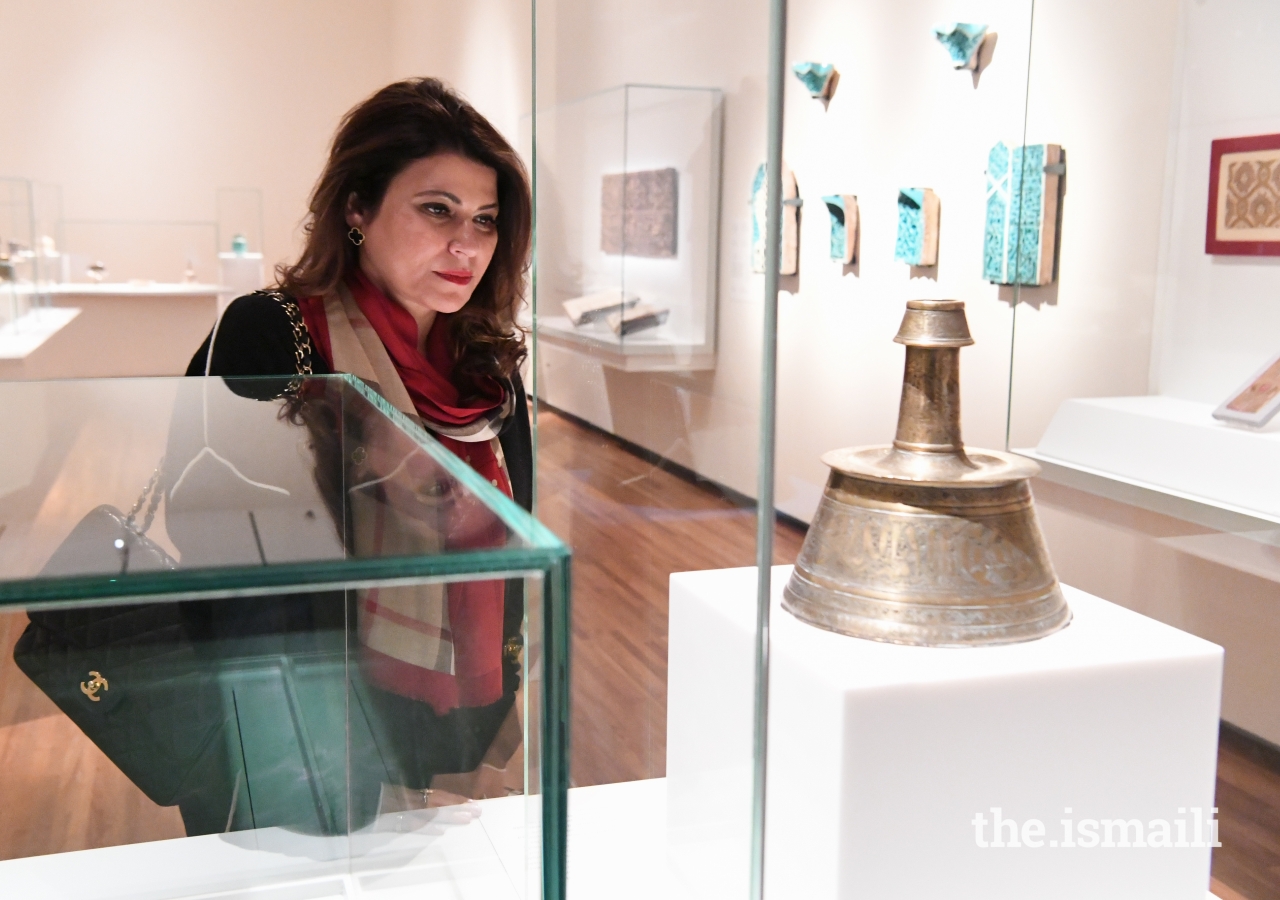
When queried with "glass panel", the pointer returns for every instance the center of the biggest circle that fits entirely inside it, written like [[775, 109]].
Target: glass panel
[[343, 710], [648, 130], [250, 479], [1155, 493]]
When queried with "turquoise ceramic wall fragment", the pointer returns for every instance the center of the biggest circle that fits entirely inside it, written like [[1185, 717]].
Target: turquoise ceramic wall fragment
[[962, 40], [788, 263], [820, 79], [918, 213], [843, 209], [1020, 238]]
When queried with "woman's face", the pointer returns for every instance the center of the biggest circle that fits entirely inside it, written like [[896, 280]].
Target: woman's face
[[431, 240]]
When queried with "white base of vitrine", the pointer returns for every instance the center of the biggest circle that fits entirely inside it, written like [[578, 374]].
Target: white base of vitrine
[[24, 335], [620, 849], [880, 756], [1168, 444], [661, 349], [439, 858]]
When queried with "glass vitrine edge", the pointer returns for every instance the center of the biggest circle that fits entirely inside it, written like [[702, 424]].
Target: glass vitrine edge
[[561, 104], [510, 512], [178, 585]]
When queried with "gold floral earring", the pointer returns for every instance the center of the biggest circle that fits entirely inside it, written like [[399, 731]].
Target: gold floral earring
[[355, 236]]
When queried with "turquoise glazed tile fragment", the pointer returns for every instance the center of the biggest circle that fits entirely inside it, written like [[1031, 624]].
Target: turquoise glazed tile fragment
[[917, 243], [843, 209], [1021, 232], [962, 40], [819, 79], [789, 261]]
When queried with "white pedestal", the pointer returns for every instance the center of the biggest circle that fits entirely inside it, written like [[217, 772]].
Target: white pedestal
[[1171, 445], [24, 335], [433, 855], [880, 756], [239, 274], [124, 329]]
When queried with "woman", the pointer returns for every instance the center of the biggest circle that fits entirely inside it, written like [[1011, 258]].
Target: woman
[[417, 241]]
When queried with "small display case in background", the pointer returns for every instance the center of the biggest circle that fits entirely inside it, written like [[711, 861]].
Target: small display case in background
[[628, 201]]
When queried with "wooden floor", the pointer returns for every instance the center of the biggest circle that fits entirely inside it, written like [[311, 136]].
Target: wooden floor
[[630, 523], [1248, 817]]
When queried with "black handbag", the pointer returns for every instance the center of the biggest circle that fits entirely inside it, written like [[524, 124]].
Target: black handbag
[[128, 676], [239, 731]]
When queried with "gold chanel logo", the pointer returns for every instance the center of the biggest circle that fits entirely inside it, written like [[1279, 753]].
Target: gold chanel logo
[[91, 687], [512, 648]]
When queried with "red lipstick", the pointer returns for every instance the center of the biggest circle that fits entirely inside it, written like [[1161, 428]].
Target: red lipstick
[[456, 276]]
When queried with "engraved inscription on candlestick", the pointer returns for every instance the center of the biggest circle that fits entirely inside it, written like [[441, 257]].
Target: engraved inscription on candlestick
[[921, 541]]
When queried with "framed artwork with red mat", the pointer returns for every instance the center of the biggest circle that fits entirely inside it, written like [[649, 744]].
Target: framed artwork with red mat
[[1244, 197]]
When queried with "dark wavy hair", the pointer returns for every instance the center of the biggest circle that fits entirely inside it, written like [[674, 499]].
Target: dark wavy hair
[[401, 123]]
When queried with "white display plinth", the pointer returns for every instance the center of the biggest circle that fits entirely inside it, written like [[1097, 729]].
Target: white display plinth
[[1168, 444], [880, 756], [239, 274], [27, 333], [660, 349], [427, 855]]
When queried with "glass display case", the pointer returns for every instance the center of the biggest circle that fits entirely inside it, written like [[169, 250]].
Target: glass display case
[[32, 262], [629, 195], [267, 634], [30, 245], [1144, 375]]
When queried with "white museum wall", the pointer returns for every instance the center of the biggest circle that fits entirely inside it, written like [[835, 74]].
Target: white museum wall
[[1101, 85], [141, 109], [1218, 319], [1213, 323], [900, 117], [484, 48]]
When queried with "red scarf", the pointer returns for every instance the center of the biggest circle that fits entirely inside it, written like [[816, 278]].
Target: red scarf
[[475, 607]]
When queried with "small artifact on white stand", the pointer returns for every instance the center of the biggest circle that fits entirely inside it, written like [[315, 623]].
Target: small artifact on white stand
[[97, 272], [591, 307], [638, 318], [1257, 401]]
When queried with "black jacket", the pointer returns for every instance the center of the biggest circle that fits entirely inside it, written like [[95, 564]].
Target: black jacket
[[256, 338]]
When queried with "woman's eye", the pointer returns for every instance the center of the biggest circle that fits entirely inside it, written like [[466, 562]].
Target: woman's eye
[[435, 209], [487, 221]]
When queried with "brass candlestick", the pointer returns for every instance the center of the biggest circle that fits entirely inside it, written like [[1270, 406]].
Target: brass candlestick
[[919, 541]]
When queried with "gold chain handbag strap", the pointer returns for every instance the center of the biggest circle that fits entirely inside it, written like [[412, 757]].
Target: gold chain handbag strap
[[152, 489], [302, 349]]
